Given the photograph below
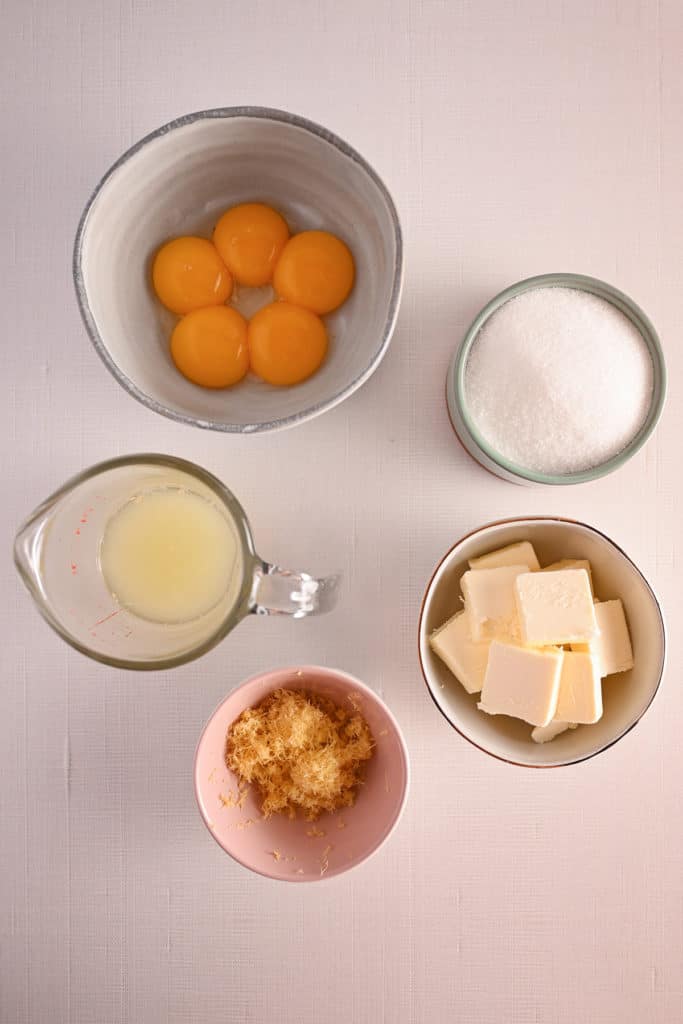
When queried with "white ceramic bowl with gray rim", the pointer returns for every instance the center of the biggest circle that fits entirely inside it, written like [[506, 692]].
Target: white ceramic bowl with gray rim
[[178, 180], [626, 696], [456, 395]]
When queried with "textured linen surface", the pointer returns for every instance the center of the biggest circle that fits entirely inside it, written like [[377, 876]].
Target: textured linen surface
[[517, 138]]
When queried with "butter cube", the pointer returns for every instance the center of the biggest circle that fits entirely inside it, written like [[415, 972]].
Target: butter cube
[[514, 554], [465, 658], [490, 602], [580, 698], [572, 563], [522, 683], [555, 607], [612, 647], [545, 733]]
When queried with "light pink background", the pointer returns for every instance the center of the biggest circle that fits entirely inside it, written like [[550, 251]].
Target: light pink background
[[517, 138]]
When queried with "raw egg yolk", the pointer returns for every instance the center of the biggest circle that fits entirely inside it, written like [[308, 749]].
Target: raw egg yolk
[[287, 343], [188, 274], [249, 239], [315, 270], [209, 346]]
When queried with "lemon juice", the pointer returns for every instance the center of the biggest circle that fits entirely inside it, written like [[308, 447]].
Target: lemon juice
[[169, 555]]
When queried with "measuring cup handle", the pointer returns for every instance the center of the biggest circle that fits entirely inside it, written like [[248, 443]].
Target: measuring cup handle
[[278, 591]]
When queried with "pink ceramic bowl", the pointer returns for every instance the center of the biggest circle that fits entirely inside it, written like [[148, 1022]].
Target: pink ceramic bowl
[[298, 850]]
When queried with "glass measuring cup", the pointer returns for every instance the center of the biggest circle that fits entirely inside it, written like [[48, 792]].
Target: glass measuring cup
[[57, 554]]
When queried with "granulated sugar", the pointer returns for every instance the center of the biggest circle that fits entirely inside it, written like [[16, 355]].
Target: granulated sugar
[[558, 380]]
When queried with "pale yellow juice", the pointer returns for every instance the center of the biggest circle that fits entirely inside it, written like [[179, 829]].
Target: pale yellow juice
[[169, 555]]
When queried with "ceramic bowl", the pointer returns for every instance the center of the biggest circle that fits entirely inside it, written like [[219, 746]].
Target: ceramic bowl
[[297, 850], [626, 696], [178, 180], [456, 399]]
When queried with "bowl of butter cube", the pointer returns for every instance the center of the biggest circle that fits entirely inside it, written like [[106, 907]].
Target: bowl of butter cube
[[540, 641]]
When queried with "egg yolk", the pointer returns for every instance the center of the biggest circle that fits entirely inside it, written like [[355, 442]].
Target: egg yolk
[[188, 274], [249, 239], [315, 270], [286, 343], [209, 346]]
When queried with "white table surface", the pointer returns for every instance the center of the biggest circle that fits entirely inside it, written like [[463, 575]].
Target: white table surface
[[517, 138]]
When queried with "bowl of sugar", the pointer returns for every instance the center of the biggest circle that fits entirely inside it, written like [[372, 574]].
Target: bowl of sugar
[[560, 379]]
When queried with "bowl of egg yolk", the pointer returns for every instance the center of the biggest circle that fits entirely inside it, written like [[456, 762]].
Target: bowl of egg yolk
[[240, 270]]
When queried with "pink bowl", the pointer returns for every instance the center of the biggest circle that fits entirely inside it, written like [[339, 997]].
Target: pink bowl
[[298, 850]]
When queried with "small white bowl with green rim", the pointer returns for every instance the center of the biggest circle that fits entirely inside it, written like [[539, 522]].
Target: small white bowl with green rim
[[478, 446]]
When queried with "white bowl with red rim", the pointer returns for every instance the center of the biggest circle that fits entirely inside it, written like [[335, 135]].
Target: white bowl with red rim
[[626, 696]]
